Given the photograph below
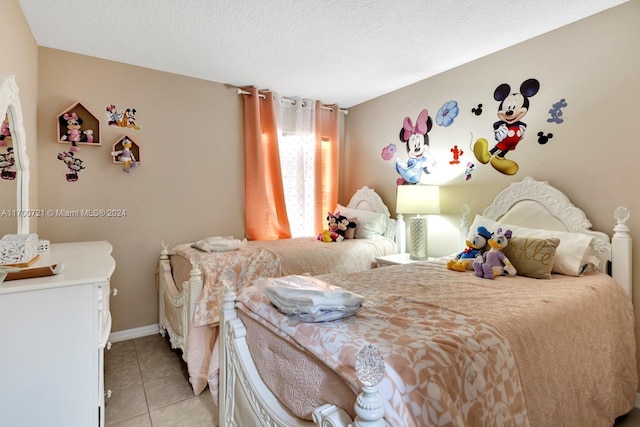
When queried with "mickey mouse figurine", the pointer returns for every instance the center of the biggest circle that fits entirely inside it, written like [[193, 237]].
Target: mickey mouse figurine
[[509, 130]]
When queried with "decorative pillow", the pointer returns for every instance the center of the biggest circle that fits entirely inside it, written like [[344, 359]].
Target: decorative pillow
[[572, 253], [532, 257], [370, 225]]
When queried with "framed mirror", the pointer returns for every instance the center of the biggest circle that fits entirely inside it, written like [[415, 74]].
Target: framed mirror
[[14, 164]]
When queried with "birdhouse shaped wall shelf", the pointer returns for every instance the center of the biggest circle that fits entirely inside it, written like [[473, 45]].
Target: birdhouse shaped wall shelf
[[127, 153], [76, 125]]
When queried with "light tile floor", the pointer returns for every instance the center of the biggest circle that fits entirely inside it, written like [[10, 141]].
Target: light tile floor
[[150, 387]]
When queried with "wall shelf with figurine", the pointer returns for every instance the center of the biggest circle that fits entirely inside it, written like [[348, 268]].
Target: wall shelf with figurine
[[127, 153], [78, 126]]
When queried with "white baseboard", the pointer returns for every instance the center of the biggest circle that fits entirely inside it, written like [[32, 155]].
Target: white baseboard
[[134, 333]]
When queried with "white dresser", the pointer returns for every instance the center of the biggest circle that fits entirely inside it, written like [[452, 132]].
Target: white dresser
[[53, 332]]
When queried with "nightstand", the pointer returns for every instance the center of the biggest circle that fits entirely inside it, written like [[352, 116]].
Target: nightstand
[[395, 259]]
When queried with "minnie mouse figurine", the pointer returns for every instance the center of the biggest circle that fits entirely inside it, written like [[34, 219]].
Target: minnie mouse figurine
[[73, 124]]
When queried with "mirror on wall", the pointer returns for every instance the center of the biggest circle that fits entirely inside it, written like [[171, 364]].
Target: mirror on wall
[[14, 164]]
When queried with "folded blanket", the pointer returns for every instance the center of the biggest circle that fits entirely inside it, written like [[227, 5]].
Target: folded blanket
[[219, 244], [309, 299]]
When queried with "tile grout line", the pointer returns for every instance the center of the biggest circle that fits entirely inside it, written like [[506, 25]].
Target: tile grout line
[[144, 386]]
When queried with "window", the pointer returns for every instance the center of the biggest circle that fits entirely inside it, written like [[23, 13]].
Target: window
[[297, 163]]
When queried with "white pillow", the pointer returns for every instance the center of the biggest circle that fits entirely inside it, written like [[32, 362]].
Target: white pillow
[[370, 225], [572, 254]]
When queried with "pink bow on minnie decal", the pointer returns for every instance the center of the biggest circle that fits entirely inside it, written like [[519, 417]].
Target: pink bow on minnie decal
[[73, 116], [420, 127]]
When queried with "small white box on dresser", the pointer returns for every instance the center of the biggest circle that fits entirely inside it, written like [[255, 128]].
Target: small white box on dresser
[[18, 248]]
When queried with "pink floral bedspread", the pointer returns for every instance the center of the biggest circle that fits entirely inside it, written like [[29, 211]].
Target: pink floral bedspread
[[248, 262], [443, 368]]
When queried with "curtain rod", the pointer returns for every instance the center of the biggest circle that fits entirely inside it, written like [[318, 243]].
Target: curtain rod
[[244, 92]]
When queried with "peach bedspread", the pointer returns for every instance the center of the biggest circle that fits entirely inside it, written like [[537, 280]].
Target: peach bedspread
[[262, 259], [309, 255], [467, 351]]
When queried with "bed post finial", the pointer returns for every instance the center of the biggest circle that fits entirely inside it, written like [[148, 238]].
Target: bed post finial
[[621, 250], [464, 224], [164, 253], [622, 215], [369, 405]]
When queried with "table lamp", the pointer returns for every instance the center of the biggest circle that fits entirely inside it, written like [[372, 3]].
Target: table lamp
[[421, 200]]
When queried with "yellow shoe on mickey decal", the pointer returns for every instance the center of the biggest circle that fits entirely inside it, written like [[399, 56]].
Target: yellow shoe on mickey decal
[[481, 150], [506, 166]]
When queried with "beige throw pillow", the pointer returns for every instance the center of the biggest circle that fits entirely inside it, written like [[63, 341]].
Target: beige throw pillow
[[532, 257]]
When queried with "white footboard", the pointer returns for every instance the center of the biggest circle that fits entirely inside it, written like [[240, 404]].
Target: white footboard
[[176, 307], [245, 400]]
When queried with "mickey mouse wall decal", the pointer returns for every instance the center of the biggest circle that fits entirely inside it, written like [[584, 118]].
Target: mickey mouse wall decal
[[509, 130], [477, 110], [556, 111], [543, 139]]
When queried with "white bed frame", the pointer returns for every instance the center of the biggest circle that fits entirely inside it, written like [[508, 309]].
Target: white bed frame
[[245, 400], [176, 307]]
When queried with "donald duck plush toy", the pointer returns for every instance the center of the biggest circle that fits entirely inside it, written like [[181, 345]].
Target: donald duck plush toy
[[473, 252]]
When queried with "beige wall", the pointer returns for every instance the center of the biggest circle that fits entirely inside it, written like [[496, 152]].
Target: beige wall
[[189, 184], [20, 57], [593, 156]]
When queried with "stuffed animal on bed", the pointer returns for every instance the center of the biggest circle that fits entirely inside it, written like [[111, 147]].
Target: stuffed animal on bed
[[494, 262], [476, 246], [345, 225], [337, 228]]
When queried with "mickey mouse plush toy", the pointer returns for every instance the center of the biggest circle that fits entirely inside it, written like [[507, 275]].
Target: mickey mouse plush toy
[[509, 130]]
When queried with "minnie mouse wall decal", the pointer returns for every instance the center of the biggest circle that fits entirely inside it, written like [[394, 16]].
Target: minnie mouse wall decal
[[416, 141], [509, 130]]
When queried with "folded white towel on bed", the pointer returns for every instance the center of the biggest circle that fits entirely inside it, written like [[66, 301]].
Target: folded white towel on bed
[[219, 244], [311, 300]]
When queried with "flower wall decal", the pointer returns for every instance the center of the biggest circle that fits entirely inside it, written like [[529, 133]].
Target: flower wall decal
[[447, 113]]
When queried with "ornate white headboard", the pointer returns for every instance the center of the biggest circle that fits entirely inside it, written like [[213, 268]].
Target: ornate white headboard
[[367, 199], [536, 204]]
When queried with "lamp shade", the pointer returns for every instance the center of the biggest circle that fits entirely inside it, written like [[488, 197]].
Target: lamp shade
[[418, 199]]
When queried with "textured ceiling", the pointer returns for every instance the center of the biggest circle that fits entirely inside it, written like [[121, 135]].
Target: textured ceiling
[[333, 50]]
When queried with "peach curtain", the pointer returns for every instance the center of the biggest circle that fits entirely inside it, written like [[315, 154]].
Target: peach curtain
[[265, 210], [327, 130]]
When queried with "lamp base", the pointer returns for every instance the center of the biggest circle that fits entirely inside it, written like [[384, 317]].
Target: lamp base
[[418, 232]]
